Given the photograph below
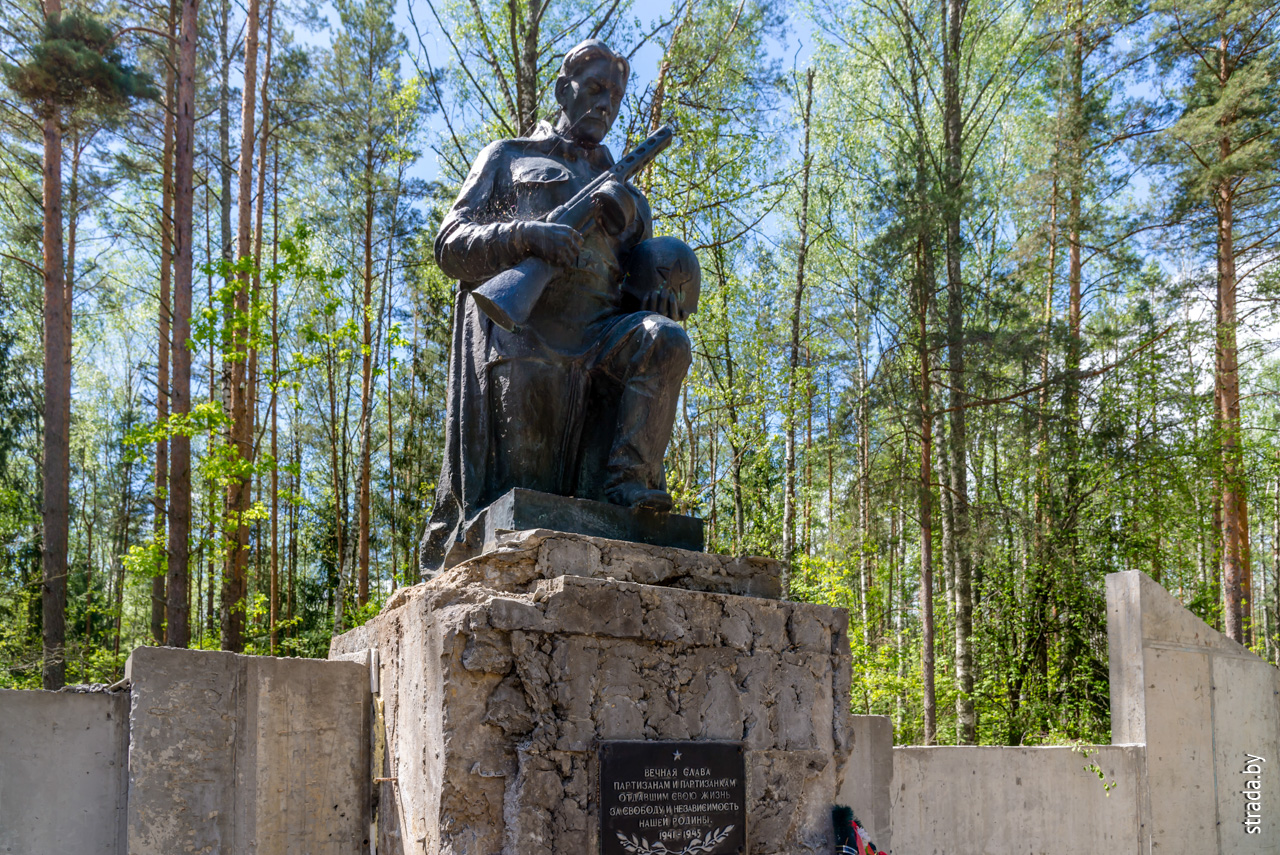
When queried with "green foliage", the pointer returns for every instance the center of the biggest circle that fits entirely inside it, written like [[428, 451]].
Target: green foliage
[[77, 64], [1090, 443]]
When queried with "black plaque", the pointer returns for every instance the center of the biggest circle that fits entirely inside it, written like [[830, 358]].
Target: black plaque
[[672, 798]]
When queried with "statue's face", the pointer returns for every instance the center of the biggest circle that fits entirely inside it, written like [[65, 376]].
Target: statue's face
[[591, 99]]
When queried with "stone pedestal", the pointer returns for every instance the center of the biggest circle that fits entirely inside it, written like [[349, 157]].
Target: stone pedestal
[[499, 678]]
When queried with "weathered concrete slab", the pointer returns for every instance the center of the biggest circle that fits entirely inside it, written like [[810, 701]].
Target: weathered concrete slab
[[1208, 711], [1017, 801], [499, 679], [62, 772], [246, 754], [520, 560], [869, 777]]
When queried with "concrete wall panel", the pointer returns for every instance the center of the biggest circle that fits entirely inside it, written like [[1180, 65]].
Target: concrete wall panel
[[1180, 748], [868, 777], [184, 710], [247, 755], [1016, 801], [1245, 761], [1202, 704], [1124, 651], [62, 772], [307, 723]]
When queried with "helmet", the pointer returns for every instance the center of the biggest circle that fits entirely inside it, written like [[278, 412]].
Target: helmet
[[663, 262]]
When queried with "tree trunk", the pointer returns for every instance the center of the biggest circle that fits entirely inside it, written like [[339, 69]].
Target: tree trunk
[[391, 444], [1040, 577], [158, 601], [122, 541], [238, 496], [255, 296], [864, 483], [946, 515], [366, 381], [807, 525], [210, 559], [339, 506], [1068, 525], [924, 289], [1228, 382], [731, 410], [525, 46], [292, 550], [926, 499], [793, 358], [1273, 634], [959, 487], [275, 398], [220, 391], [69, 284], [1235, 552], [56, 466], [224, 131]]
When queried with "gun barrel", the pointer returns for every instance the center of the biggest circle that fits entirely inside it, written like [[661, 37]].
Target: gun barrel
[[642, 155], [577, 211]]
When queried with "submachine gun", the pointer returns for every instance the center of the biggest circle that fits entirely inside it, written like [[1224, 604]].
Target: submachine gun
[[508, 298]]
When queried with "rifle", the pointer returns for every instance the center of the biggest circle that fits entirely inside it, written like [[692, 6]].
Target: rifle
[[508, 298]]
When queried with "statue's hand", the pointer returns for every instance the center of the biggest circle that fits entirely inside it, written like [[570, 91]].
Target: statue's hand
[[560, 245], [615, 207], [663, 301]]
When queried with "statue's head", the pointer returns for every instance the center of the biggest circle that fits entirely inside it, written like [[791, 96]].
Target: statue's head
[[589, 89]]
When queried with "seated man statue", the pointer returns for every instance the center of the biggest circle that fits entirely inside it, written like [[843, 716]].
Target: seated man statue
[[579, 398]]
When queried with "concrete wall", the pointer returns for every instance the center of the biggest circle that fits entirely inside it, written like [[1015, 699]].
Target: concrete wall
[[249, 755], [62, 772], [1195, 759], [211, 752], [1204, 706], [208, 752], [1017, 801]]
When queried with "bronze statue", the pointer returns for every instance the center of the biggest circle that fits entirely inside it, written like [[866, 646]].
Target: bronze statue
[[568, 353]]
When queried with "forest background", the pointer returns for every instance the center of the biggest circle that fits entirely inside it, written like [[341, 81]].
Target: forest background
[[988, 312]]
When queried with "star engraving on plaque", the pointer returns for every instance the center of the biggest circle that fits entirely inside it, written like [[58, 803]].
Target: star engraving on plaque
[[677, 755]]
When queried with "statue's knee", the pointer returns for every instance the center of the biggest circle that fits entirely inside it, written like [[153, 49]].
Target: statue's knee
[[671, 340]]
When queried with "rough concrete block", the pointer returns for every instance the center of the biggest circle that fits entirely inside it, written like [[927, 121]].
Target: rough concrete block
[[499, 678], [520, 559], [1017, 801], [183, 722], [62, 772], [246, 755]]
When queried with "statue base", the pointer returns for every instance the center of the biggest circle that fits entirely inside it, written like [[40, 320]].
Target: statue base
[[525, 510], [505, 680]]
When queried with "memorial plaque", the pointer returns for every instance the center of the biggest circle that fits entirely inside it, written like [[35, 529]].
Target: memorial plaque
[[672, 798]]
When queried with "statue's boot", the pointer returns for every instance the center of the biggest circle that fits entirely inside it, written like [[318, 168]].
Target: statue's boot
[[636, 495], [651, 364]]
